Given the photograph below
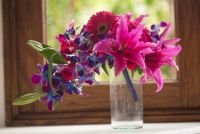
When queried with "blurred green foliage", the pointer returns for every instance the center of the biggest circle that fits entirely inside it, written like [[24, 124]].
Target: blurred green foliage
[[60, 12]]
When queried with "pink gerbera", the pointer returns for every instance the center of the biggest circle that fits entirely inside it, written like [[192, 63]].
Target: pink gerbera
[[100, 23]]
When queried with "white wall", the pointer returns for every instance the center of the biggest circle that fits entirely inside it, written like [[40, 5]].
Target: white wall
[[2, 106]]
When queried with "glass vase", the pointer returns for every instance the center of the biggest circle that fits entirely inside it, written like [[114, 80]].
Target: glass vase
[[126, 111]]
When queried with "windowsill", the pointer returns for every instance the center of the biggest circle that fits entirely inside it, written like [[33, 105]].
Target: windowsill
[[160, 128]]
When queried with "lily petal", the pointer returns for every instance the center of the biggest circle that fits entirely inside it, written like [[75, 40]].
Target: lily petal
[[171, 51], [105, 46], [173, 64], [134, 36], [165, 32], [139, 19], [122, 31], [158, 79], [119, 63], [134, 57], [138, 59], [171, 41]]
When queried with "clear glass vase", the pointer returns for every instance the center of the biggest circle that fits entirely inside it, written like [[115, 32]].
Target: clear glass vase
[[126, 113]]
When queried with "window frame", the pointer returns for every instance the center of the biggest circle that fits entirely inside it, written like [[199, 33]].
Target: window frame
[[178, 101]]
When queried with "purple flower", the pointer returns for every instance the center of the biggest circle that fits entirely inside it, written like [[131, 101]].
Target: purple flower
[[70, 88], [51, 97]]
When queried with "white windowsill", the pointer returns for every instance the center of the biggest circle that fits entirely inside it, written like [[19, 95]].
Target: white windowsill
[[149, 128]]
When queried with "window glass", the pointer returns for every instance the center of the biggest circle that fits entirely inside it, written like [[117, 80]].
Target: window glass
[[60, 12]]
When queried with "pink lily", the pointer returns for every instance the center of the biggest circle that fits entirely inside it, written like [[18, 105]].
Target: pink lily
[[125, 48], [162, 42], [160, 55]]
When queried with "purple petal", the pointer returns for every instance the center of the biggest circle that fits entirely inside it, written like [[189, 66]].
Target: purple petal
[[96, 69], [50, 105], [163, 24], [36, 78], [40, 67], [90, 82], [46, 89], [44, 98], [55, 82]]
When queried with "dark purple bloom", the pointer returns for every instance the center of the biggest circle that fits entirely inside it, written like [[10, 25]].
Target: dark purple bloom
[[42, 77], [70, 88], [163, 24], [51, 97]]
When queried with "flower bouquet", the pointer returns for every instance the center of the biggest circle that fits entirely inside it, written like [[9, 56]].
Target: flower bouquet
[[107, 40]]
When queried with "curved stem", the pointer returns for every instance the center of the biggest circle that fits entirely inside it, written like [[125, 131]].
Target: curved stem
[[130, 85]]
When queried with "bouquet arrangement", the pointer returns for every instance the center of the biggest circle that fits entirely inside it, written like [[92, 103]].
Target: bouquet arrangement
[[117, 40]]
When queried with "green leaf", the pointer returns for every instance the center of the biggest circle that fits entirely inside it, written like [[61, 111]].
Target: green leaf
[[139, 70], [27, 99], [132, 73], [47, 52], [104, 68]]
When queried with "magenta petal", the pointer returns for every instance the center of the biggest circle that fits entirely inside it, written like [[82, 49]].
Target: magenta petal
[[128, 16], [138, 59], [122, 31], [119, 64], [36, 78], [134, 36], [60, 38], [158, 79], [171, 41], [105, 46], [139, 19], [165, 32], [171, 51], [173, 64], [143, 79], [145, 45]]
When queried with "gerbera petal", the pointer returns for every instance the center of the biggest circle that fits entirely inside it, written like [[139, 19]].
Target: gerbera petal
[[165, 32], [158, 79], [100, 23], [122, 31], [106, 46]]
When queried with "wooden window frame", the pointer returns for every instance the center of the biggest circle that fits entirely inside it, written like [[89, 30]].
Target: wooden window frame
[[179, 100]]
